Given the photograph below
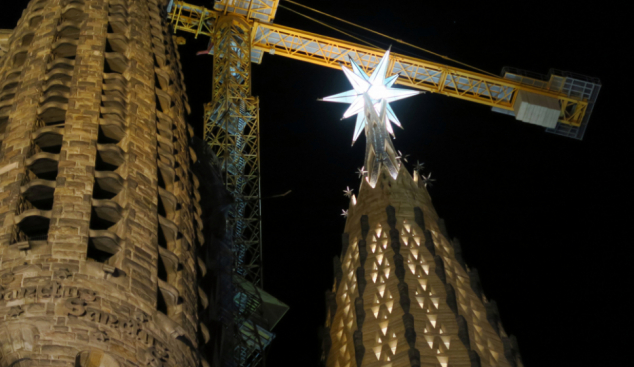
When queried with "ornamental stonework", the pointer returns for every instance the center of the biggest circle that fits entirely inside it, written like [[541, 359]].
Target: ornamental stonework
[[99, 219]]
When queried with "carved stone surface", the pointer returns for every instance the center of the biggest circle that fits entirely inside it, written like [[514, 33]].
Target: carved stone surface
[[457, 249], [463, 331], [474, 358], [365, 226], [359, 348], [361, 282], [345, 242], [451, 298], [403, 293], [474, 281], [429, 243], [399, 268], [419, 218], [440, 268], [493, 315], [360, 311], [414, 357], [395, 240], [336, 264], [94, 161], [391, 216], [363, 251]]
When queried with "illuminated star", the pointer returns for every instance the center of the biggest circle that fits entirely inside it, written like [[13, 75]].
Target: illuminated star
[[362, 172], [402, 157], [428, 180], [377, 86], [348, 192], [419, 166], [344, 213]]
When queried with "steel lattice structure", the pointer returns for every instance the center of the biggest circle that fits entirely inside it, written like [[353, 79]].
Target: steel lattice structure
[[232, 131]]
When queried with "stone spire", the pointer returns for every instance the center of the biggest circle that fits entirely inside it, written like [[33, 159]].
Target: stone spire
[[405, 297]]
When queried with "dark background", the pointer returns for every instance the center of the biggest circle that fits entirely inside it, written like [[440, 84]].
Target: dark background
[[542, 217]]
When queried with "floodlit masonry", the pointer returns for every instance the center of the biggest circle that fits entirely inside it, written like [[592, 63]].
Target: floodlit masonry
[[99, 208], [403, 295]]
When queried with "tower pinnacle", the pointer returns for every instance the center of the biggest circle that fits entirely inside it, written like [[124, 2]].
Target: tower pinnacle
[[372, 94]]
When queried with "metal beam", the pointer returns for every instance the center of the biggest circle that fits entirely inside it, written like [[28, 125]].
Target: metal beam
[[416, 73]]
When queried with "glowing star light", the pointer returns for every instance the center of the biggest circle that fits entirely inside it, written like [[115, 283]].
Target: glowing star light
[[348, 192], [377, 87], [344, 213]]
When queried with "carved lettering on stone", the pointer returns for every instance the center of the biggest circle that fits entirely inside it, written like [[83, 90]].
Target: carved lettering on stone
[[75, 306]]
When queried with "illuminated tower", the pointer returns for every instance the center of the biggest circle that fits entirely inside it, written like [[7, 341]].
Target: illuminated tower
[[402, 294], [100, 222]]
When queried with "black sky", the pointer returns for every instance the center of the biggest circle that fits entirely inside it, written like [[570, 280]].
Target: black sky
[[541, 217]]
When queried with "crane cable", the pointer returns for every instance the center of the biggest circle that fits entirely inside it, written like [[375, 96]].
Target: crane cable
[[327, 25], [380, 34]]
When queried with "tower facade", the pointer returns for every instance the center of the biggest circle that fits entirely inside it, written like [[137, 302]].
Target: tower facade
[[402, 295], [99, 218]]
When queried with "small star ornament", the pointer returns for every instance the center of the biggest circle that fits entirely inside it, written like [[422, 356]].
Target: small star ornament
[[348, 192], [419, 166], [402, 157], [428, 180], [344, 213], [362, 172]]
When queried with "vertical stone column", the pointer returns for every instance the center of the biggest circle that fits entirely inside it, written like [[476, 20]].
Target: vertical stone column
[[22, 75], [71, 215], [140, 171]]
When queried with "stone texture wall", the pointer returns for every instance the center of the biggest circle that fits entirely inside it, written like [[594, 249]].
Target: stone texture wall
[[402, 294], [99, 217]]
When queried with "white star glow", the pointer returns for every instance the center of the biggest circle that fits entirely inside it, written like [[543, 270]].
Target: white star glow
[[377, 86]]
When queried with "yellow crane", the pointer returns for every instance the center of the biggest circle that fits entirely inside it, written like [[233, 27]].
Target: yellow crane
[[242, 31]]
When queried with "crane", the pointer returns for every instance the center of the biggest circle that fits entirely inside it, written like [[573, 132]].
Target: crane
[[242, 31]]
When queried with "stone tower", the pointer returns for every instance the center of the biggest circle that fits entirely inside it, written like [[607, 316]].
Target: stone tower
[[402, 295], [99, 217]]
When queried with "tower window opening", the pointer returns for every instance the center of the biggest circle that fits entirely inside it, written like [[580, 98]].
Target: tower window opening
[[102, 220], [35, 21], [99, 253], [27, 39], [161, 305]]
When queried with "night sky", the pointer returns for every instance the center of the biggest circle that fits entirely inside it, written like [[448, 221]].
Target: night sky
[[542, 217]]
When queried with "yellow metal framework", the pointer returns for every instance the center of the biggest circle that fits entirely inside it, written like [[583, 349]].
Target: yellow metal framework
[[416, 73], [232, 131]]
